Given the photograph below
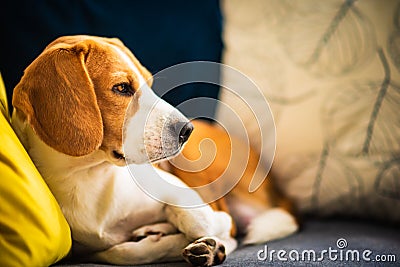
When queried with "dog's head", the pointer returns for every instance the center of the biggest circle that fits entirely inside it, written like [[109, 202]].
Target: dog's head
[[86, 93]]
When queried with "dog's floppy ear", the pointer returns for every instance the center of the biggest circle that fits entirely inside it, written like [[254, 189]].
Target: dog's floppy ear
[[57, 97]]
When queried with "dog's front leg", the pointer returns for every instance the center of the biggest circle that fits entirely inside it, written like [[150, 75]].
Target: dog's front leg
[[194, 222], [199, 221], [208, 230]]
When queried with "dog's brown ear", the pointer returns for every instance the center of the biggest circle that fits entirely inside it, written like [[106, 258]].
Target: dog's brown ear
[[57, 97]]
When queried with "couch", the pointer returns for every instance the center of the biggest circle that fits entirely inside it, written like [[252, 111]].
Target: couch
[[35, 233], [331, 73], [348, 237]]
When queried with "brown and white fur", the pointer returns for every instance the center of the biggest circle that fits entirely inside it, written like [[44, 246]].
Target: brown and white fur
[[69, 113], [213, 160]]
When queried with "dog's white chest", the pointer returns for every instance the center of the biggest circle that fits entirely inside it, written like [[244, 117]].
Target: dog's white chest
[[105, 205]]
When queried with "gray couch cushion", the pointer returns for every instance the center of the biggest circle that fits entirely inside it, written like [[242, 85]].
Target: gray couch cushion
[[343, 239]]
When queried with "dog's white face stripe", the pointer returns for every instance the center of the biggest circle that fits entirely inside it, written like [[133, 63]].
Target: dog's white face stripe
[[129, 62], [148, 135]]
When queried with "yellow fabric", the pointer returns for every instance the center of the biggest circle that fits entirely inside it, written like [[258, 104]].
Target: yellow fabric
[[3, 98], [33, 231]]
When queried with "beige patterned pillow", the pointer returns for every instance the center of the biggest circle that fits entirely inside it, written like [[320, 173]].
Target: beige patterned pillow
[[330, 71]]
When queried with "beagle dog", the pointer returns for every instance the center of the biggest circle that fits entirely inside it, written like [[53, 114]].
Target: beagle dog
[[210, 155], [83, 109]]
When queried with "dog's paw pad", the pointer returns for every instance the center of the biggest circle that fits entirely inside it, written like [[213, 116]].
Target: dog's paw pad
[[205, 251]]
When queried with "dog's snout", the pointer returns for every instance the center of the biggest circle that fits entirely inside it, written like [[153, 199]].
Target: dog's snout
[[183, 130]]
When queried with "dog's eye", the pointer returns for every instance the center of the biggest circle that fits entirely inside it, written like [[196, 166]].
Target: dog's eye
[[123, 89]]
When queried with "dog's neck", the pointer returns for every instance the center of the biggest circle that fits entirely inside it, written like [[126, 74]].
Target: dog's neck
[[55, 166]]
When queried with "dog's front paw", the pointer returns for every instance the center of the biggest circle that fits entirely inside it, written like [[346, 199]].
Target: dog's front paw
[[206, 251]]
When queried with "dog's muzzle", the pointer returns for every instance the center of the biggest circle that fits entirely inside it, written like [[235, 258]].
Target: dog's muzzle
[[174, 135]]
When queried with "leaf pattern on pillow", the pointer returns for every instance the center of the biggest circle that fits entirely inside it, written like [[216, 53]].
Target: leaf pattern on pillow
[[362, 124], [331, 71], [345, 36], [394, 48], [333, 171], [394, 40], [387, 182], [361, 118]]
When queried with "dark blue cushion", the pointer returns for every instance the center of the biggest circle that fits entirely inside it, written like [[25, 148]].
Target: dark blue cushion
[[160, 33]]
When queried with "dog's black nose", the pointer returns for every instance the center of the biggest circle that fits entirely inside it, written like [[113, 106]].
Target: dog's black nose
[[183, 130]]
